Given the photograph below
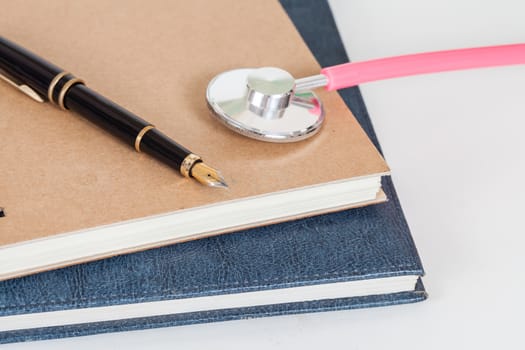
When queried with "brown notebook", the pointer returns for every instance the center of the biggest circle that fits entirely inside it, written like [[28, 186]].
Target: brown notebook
[[73, 193]]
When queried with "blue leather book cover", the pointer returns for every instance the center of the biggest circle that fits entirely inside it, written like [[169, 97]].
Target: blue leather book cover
[[361, 244]]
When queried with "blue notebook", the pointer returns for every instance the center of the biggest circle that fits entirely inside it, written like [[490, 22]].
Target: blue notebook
[[352, 259]]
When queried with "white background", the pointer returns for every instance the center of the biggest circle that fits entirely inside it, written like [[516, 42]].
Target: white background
[[455, 144]]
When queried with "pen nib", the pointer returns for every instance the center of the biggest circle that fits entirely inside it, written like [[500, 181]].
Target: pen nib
[[208, 176]]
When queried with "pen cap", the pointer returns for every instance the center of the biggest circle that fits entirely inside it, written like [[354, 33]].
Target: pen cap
[[30, 69]]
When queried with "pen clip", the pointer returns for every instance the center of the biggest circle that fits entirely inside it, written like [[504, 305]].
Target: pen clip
[[21, 86]]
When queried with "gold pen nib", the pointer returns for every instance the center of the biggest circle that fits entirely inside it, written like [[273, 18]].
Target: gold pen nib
[[208, 176]]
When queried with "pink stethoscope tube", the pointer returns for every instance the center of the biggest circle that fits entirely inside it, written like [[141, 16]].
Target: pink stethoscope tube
[[355, 73]]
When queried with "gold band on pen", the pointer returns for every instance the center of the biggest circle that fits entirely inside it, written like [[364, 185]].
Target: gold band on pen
[[141, 135], [64, 90], [188, 163], [53, 84]]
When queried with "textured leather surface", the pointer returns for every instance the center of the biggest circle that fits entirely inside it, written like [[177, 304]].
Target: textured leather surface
[[360, 243]]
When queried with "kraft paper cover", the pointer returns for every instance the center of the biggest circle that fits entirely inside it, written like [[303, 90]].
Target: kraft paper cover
[[60, 173]]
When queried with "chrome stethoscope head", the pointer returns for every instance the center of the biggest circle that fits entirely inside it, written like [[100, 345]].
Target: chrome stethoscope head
[[266, 104]]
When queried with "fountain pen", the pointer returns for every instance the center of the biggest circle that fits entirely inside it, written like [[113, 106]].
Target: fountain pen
[[45, 82]]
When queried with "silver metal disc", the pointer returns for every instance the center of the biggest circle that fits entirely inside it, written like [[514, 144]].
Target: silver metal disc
[[228, 101]]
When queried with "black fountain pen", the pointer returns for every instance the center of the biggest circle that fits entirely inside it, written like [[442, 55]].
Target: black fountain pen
[[44, 82]]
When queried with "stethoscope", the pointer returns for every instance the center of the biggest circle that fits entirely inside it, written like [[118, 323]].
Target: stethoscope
[[268, 104]]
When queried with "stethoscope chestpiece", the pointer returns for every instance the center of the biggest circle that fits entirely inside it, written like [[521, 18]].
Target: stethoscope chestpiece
[[263, 104]]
